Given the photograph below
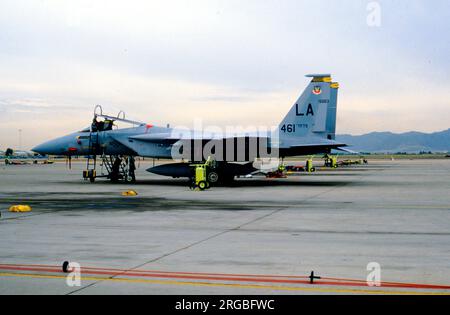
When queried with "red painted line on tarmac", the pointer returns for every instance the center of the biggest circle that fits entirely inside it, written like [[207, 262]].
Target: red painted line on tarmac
[[168, 272], [203, 273], [219, 276], [170, 275]]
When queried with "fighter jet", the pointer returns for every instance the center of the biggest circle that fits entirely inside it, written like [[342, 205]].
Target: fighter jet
[[308, 128]]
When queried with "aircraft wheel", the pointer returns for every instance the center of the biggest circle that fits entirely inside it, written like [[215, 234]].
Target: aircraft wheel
[[213, 177], [92, 179], [130, 179], [202, 185]]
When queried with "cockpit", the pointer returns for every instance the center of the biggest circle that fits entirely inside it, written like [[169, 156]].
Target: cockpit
[[103, 122], [102, 125]]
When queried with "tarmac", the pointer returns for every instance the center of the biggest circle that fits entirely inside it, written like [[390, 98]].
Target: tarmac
[[260, 236]]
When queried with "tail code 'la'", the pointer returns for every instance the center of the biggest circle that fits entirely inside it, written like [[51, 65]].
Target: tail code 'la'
[[314, 113]]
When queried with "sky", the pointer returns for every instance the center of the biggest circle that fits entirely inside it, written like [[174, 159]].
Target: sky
[[233, 62]]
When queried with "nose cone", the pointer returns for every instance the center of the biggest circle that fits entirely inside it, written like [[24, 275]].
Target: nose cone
[[50, 147], [66, 145]]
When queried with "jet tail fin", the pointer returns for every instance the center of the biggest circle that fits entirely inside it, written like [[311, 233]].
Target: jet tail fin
[[314, 112]]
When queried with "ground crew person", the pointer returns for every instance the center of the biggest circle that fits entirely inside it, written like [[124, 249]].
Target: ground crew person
[[131, 169], [94, 125]]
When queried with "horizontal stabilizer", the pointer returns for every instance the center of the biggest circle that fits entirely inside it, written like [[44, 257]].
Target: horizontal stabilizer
[[325, 143], [347, 150]]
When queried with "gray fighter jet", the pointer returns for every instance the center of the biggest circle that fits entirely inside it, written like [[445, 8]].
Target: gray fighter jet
[[308, 128]]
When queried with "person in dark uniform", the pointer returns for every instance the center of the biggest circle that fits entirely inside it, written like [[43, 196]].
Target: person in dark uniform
[[94, 125], [108, 124], [131, 169], [101, 126]]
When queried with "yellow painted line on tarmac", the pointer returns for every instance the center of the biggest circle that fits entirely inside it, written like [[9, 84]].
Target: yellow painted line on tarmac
[[229, 285]]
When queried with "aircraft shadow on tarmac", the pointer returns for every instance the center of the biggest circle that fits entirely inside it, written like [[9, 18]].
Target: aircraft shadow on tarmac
[[54, 203], [244, 183]]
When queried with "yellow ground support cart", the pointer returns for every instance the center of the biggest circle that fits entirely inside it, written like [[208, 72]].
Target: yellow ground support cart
[[309, 166], [330, 161], [200, 179]]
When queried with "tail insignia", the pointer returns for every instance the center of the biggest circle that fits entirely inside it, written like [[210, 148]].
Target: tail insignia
[[317, 90]]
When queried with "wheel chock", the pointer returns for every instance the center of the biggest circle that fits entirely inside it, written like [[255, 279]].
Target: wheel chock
[[20, 208], [129, 193]]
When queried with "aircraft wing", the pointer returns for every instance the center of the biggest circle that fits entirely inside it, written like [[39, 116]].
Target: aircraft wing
[[159, 143], [147, 144], [156, 138], [189, 135]]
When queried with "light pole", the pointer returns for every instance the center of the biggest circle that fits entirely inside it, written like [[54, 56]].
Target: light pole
[[20, 139]]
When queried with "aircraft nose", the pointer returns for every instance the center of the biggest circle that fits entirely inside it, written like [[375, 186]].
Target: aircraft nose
[[65, 145], [53, 147], [44, 148]]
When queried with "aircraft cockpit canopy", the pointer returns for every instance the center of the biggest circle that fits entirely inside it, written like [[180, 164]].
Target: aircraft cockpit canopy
[[103, 122], [102, 125]]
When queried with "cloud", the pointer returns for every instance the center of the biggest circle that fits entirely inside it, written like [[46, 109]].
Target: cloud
[[221, 98], [32, 106]]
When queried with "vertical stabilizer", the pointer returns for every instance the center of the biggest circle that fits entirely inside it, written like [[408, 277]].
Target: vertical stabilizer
[[314, 112]]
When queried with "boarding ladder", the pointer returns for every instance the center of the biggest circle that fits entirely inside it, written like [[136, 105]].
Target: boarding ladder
[[117, 167]]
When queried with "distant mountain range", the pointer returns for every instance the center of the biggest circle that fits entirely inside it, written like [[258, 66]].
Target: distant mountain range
[[388, 142]]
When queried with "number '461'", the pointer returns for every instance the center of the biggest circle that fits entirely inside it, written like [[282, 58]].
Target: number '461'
[[288, 128]]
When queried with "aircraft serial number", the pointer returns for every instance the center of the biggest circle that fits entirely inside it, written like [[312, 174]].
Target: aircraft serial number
[[289, 128]]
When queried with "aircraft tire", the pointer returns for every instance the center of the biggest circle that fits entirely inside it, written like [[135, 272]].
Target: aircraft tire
[[213, 177]]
